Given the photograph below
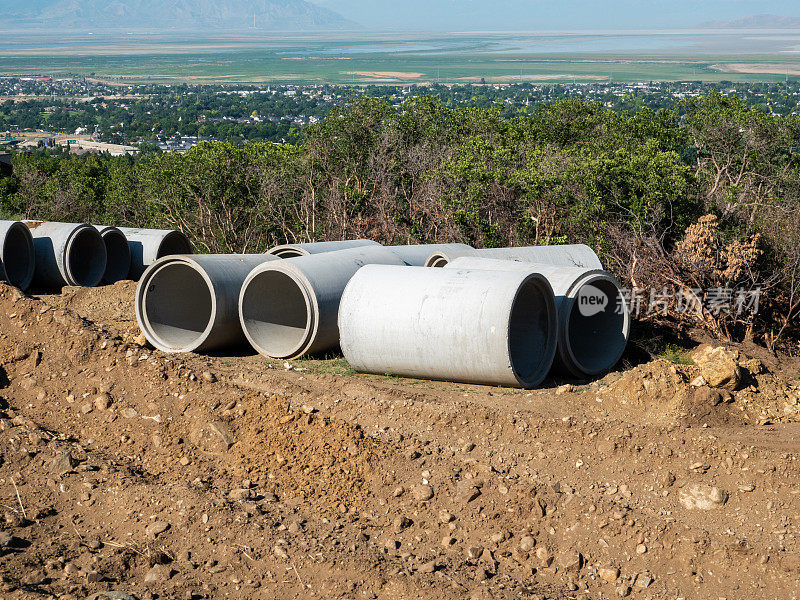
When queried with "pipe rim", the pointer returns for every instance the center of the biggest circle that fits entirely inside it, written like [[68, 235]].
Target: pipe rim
[[141, 305], [118, 255], [306, 290], [569, 356], [547, 354], [16, 276], [75, 276]]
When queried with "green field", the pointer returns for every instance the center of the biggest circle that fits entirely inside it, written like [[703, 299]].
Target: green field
[[393, 59]]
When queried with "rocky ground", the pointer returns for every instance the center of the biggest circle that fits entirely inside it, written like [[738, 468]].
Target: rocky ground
[[126, 473]]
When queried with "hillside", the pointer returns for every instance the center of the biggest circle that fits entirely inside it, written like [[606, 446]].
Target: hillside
[[186, 15], [755, 22]]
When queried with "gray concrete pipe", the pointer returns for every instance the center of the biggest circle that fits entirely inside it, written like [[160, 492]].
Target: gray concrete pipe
[[118, 254], [572, 255], [190, 303], [475, 326], [289, 308], [416, 255], [593, 319], [148, 245], [295, 250], [67, 254], [17, 257]]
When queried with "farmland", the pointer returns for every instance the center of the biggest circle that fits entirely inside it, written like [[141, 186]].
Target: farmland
[[403, 59]]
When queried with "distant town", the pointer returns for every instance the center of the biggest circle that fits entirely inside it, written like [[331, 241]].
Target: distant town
[[85, 115]]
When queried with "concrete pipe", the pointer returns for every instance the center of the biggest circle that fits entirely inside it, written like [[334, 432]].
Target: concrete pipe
[[148, 245], [593, 319], [67, 254], [289, 308], [573, 255], [189, 303], [118, 254], [487, 327], [17, 257], [416, 255], [295, 250]]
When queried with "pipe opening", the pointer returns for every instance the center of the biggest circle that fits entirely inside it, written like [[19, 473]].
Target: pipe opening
[[174, 243], [437, 261], [288, 253], [275, 313], [597, 339], [86, 257], [18, 257], [177, 305], [531, 340], [118, 256]]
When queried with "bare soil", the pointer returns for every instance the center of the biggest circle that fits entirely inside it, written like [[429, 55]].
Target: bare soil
[[128, 473]]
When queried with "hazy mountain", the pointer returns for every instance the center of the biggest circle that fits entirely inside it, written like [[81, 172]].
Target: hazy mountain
[[185, 15], [755, 22]]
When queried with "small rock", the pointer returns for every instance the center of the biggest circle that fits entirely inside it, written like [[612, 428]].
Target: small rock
[[398, 491], [62, 464], [102, 402], [498, 537], [564, 389], [111, 595], [624, 591], [6, 540], [702, 497], [428, 567], [445, 516], [280, 552], [643, 580], [86, 408], [94, 577], [544, 555], [158, 574], [570, 561], [468, 447], [641, 549], [609, 574], [400, 522], [239, 494], [748, 487], [527, 543], [422, 493], [471, 493], [448, 541], [129, 413], [155, 528], [474, 552], [209, 376]]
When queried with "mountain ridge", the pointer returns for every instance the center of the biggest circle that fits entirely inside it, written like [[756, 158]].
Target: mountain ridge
[[176, 15], [755, 22]]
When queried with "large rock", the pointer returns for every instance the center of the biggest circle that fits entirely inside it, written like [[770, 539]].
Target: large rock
[[702, 497], [718, 366]]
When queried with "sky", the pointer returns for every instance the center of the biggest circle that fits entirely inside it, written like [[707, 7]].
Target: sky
[[452, 15]]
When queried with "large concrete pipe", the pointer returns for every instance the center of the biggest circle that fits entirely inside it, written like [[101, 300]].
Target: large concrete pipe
[[416, 255], [295, 250], [148, 245], [289, 308], [17, 258], [67, 254], [593, 318], [572, 255], [489, 327], [118, 254], [190, 303]]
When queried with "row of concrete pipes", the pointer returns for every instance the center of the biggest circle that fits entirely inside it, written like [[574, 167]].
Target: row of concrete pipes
[[490, 316], [50, 255]]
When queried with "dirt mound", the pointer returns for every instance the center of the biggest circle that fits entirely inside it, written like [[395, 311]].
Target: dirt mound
[[128, 473]]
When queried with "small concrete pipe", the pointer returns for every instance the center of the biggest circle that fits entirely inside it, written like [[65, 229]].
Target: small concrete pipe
[[416, 255], [189, 303], [289, 308], [67, 254], [572, 255], [17, 257], [148, 245], [118, 254], [295, 250], [486, 327], [593, 319]]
